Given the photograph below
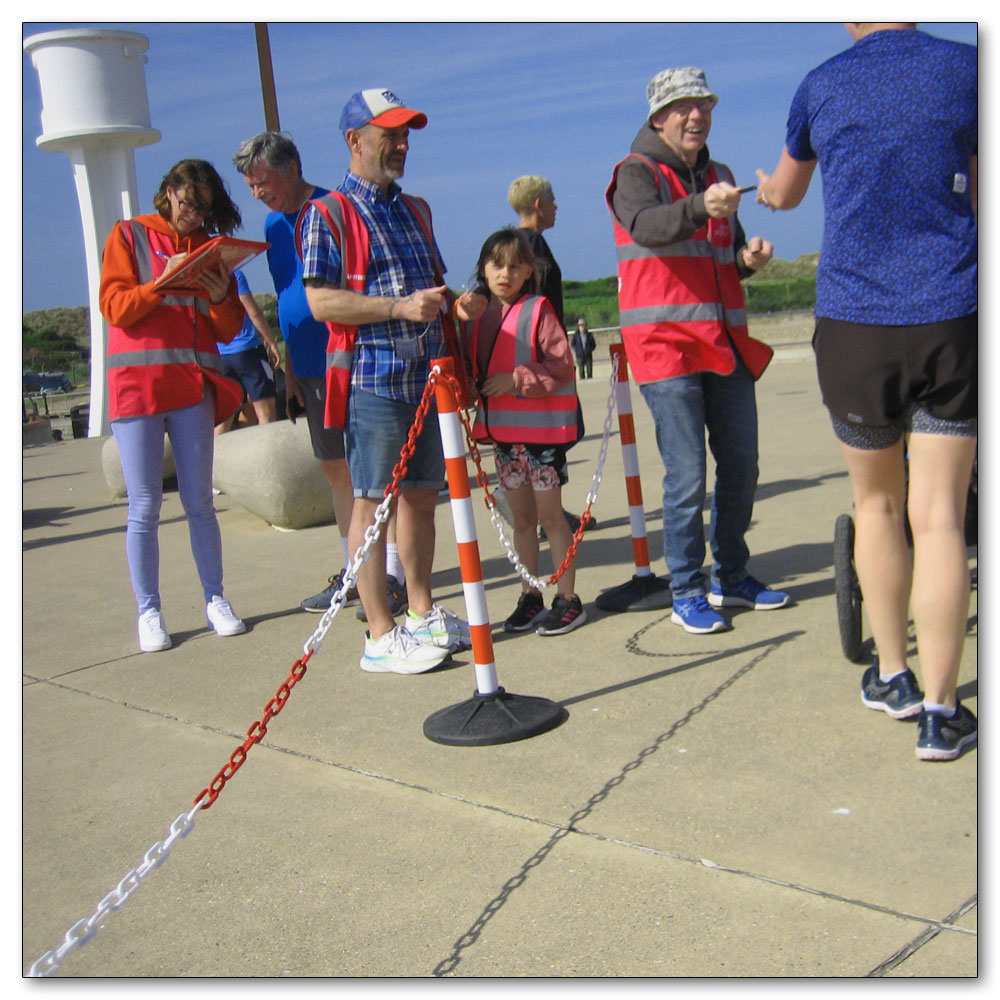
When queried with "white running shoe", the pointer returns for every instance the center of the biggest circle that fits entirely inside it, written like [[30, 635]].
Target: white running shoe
[[398, 652], [153, 634], [439, 627], [222, 618]]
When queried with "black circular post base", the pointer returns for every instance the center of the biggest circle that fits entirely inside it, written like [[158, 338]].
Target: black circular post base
[[641, 593], [488, 719]]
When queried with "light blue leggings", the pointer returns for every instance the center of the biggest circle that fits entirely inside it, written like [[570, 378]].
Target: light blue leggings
[[140, 445]]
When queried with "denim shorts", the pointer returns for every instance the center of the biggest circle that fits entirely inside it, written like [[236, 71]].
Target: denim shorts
[[377, 429]]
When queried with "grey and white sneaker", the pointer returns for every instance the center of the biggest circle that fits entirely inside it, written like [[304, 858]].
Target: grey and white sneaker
[[222, 618], [398, 652], [439, 627]]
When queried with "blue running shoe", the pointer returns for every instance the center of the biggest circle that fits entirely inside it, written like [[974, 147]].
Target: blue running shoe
[[900, 698], [695, 615], [748, 593], [942, 738]]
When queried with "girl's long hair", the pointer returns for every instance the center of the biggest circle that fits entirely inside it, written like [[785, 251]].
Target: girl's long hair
[[188, 177], [506, 246]]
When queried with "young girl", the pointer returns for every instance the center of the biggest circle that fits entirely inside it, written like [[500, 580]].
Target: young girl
[[524, 371]]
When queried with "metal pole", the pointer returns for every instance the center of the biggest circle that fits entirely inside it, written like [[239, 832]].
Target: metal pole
[[271, 122]]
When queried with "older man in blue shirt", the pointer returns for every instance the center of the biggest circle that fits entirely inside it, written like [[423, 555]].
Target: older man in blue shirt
[[397, 315]]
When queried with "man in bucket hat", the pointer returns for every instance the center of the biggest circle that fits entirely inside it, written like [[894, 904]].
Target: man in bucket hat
[[374, 275], [681, 255]]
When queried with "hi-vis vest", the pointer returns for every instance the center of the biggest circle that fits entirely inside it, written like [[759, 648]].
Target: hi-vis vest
[[163, 361], [681, 305], [351, 235], [514, 419]]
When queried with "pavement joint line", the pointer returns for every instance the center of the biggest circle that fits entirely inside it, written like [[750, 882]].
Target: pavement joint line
[[561, 830], [911, 948]]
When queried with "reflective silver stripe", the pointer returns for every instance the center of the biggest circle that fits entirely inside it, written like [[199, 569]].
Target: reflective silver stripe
[[522, 336], [162, 356], [683, 248], [143, 254], [339, 359], [695, 312]]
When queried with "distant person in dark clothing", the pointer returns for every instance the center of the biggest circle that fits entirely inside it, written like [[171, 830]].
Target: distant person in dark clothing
[[583, 347], [532, 198]]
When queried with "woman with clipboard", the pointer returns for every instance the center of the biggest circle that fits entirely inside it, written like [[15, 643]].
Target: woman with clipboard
[[164, 377]]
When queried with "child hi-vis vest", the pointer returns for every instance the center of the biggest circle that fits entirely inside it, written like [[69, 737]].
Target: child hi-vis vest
[[514, 419]]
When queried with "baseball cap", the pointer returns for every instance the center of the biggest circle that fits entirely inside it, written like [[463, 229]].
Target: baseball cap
[[675, 84], [379, 107]]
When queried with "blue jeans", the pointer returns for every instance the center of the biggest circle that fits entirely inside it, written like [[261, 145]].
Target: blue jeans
[[682, 408], [140, 445]]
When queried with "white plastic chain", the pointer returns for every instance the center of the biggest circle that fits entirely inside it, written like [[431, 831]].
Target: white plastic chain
[[350, 576], [83, 930], [495, 516]]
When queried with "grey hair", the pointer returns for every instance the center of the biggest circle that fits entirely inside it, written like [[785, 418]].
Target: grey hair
[[274, 150]]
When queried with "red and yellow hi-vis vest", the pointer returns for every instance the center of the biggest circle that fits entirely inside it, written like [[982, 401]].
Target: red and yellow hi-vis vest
[[514, 419], [681, 305], [163, 361]]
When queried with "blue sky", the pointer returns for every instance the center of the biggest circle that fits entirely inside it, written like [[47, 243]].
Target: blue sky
[[559, 99]]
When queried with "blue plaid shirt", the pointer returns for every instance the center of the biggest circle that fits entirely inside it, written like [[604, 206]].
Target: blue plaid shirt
[[399, 262]]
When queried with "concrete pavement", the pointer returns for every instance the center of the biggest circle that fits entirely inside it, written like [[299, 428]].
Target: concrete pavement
[[713, 806]]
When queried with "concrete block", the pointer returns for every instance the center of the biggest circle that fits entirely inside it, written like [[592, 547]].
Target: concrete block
[[111, 464], [270, 470]]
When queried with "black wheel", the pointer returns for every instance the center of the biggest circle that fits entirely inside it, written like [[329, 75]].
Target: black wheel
[[848, 590]]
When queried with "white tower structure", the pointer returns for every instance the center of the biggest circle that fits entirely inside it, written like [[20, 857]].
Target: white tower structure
[[95, 109]]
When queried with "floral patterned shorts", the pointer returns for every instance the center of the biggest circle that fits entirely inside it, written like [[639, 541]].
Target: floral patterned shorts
[[543, 467]]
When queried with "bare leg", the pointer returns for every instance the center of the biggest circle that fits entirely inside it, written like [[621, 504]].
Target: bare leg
[[371, 578], [522, 507], [552, 519], [415, 536], [265, 410], [881, 554], [940, 468]]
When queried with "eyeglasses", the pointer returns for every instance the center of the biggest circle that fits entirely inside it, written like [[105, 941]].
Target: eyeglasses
[[686, 107], [189, 206]]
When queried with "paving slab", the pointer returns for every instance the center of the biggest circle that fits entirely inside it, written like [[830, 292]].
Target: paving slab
[[712, 806]]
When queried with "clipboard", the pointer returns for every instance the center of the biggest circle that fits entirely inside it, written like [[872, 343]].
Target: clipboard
[[225, 249]]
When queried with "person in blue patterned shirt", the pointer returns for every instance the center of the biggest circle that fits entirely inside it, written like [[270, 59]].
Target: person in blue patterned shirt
[[398, 321], [893, 125]]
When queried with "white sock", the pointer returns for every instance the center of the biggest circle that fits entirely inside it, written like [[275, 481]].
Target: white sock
[[392, 564], [347, 553], [933, 706], [885, 678]]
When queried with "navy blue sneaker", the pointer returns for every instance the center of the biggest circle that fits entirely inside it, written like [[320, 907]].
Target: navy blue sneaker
[[942, 738], [748, 593], [320, 603], [696, 615], [900, 698]]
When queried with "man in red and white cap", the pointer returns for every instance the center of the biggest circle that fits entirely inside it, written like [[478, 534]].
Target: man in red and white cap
[[374, 275]]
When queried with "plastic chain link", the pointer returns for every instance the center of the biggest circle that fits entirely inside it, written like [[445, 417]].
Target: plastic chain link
[[83, 930], [482, 477]]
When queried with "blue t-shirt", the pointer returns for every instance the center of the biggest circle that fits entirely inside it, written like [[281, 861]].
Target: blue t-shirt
[[893, 122], [306, 337], [247, 337]]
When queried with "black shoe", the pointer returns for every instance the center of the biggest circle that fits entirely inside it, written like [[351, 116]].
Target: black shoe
[[396, 593], [942, 738], [530, 608], [320, 602], [566, 614], [900, 698]]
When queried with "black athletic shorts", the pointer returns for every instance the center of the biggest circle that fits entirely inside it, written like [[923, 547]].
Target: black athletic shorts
[[873, 375], [252, 369]]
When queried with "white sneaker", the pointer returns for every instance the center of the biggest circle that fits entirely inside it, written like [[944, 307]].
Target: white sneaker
[[398, 652], [222, 618], [439, 627], [153, 634]]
